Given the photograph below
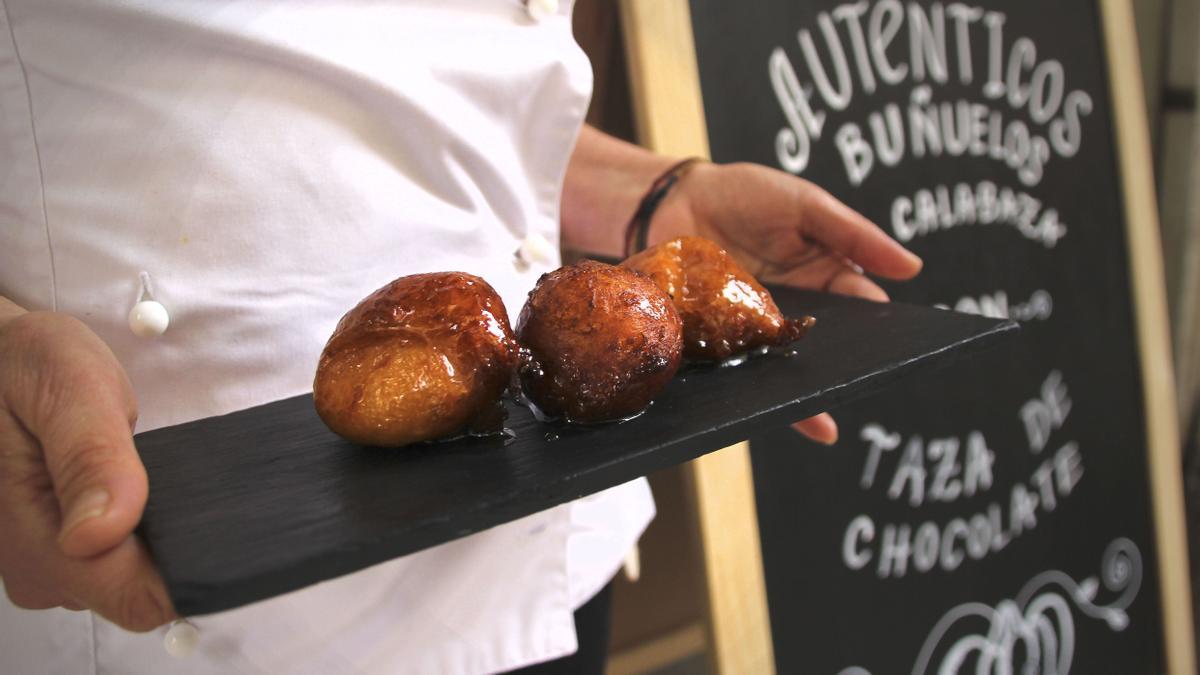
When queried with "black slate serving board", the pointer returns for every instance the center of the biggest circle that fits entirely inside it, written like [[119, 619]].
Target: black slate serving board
[[264, 501]]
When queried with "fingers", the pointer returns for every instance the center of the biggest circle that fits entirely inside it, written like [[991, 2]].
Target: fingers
[[72, 487], [29, 595], [849, 282], [844, 230], [122, 585], [76, 402], [832, 275], [119, 583], [820, 428], [98, 478]]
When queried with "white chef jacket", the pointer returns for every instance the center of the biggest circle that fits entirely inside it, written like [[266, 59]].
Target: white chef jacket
[[267, 164]]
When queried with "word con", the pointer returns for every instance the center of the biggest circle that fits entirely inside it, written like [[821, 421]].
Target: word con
[[995, 305]]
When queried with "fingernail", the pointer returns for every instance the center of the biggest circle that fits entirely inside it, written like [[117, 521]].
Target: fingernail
[[91, 504]]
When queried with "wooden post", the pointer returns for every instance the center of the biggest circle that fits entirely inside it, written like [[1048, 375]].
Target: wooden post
[[662, 57], [1150, 307]]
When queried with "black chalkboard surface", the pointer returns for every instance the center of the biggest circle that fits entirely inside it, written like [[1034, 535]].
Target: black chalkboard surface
[[263, 501], [997, 517]]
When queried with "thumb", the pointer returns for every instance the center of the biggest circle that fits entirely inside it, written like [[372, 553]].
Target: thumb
[[80, 407], [99, 481]]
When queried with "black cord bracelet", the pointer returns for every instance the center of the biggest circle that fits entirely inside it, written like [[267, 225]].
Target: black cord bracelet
[[638, 228]]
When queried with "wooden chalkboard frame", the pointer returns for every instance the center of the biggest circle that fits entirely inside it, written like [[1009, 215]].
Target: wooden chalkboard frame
[[669, 114]]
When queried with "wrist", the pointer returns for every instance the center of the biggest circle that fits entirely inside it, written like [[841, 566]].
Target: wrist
[[605, 180], [663, 203]]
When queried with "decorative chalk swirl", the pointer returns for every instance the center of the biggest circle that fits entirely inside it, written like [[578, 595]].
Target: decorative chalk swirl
[[1037, 625]]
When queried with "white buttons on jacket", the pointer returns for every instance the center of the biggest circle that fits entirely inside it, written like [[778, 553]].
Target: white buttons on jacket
[[536, 250], [181, 639], [633, 564], [148, 318], [541, 9]]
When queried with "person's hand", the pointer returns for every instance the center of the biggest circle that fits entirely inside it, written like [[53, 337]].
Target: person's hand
[[72, 487], [784, 230]]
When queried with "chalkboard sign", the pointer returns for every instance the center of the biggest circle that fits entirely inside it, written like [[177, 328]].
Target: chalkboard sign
[[1020, 514]]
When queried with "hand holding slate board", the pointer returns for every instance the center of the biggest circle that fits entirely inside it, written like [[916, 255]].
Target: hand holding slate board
[[249, 505], [1023, 510]]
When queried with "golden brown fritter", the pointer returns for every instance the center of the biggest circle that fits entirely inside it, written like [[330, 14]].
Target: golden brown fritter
[[725, 311], [425, 357], [599, 343]]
